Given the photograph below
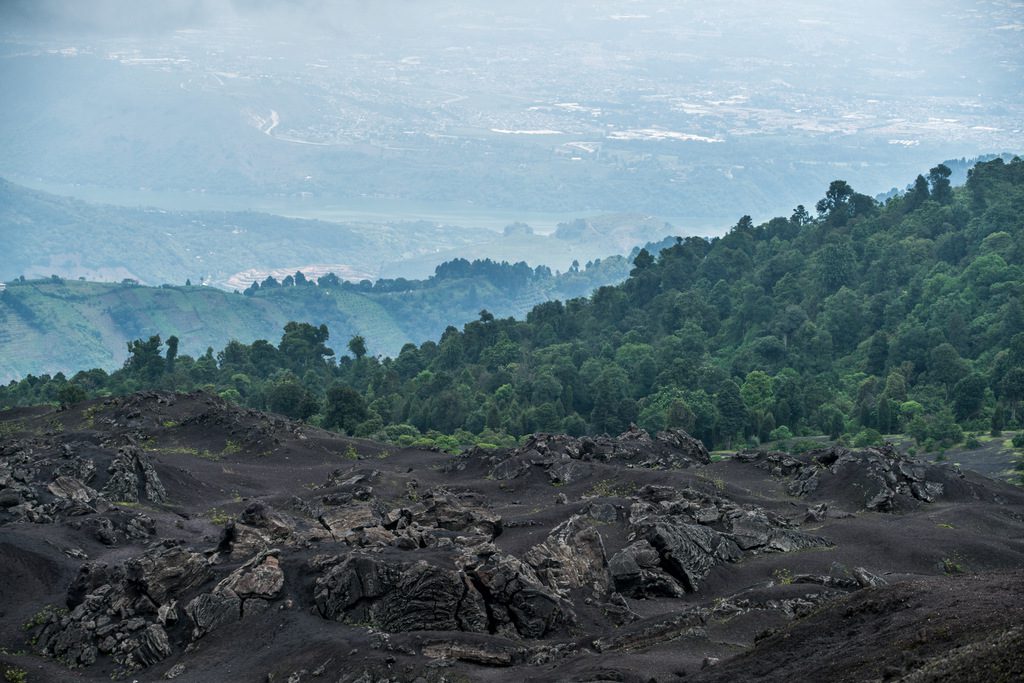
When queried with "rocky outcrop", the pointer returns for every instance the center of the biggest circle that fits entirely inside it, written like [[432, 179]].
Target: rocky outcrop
[[486, 654], [247, 590], [167, 572], [70, 488], [132, 478], [122, 612], [884, 480], [858, 577], [571, 557], [563, 457], [636, 571], [688, 551], [261, 578], [426, 566], [210, 611], [491, 593], [117, 525], [23, 496], [445, 510], [42, 481], [674, 449], [517, 601], [755, 530], [258, 528], [399, 596], [150, 646], [681, 535]]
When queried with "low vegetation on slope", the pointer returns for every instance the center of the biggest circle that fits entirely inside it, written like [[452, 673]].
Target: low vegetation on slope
[[861, 320]]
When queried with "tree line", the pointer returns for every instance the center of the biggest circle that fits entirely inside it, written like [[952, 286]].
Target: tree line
[[859, 319]]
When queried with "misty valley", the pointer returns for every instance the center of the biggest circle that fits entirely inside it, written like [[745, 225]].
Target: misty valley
[[445, 341]]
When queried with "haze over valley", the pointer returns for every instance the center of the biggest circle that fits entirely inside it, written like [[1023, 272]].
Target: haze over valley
[[446, 341], [450, 110]]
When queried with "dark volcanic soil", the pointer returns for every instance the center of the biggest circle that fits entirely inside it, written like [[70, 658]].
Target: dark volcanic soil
[[164, 536]]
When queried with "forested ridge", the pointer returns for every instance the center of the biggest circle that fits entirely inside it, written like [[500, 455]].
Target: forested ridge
[[55, 325], [854, 319]]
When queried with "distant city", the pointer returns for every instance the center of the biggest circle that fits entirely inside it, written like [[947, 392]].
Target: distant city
[[663, 108]]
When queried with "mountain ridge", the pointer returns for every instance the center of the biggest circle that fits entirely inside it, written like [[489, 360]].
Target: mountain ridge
[[158, 246], [54, 325]]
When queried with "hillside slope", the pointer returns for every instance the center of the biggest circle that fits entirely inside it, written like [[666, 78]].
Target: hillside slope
[[861, 321], [54, 325]]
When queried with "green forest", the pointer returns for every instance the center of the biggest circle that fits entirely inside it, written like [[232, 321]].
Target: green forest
[[853, 319]]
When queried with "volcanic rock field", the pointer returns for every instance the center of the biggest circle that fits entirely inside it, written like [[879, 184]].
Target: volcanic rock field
[[164, 536]]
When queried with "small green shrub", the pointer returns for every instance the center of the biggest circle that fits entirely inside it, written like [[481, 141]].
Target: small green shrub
[[219, 517], [802, 446], [609, 488], [13, 675], [231, 395], [70, 394], [867, 437], [89, 415], [953, 564], [40, 617], [9, 428], [397, 432], [208, 455], [783, 576]]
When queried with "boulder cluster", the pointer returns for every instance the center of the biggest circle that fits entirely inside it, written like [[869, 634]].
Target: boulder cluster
[[879, 479], [561, 549], [431, 565], [566, 459]]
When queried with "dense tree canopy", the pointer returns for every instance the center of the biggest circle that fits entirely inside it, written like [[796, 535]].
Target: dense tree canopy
[[902, 317]]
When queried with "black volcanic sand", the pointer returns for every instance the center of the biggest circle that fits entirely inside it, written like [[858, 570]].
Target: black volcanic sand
[[826, 590]]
